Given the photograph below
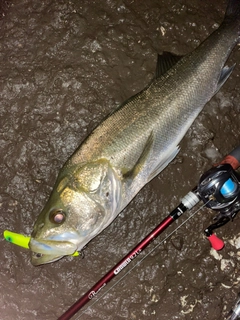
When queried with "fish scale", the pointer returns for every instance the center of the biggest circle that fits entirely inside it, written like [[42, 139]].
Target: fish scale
[[132, 145]]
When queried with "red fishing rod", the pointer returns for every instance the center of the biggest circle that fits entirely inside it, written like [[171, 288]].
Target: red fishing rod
[[188, 202], [219, 189]]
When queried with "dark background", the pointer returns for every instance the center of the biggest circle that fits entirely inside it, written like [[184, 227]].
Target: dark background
[[64, 66]]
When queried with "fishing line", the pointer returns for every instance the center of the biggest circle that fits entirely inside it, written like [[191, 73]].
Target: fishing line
[[140, 261]]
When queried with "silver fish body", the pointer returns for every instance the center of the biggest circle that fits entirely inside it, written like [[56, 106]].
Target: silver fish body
[[130, 147]]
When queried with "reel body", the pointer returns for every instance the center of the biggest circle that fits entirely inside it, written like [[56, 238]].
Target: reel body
[[219, 189]]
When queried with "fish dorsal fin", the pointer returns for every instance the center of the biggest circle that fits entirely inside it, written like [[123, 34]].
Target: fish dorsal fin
[[165, 62], [224, 75]]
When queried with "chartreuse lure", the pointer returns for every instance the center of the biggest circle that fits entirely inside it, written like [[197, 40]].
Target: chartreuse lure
[[21, 240]]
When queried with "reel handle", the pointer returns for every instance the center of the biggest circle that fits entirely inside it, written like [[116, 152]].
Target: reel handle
[[216, 243]]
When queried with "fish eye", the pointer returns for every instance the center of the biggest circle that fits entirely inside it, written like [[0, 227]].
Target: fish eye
[[57, 216]]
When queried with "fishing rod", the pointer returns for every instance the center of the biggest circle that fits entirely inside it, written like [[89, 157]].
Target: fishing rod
[[218, 188]]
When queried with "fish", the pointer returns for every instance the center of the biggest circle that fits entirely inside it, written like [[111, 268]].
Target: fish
[[132, 145]]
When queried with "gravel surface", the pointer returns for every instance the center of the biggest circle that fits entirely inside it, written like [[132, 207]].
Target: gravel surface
[[64, 66]]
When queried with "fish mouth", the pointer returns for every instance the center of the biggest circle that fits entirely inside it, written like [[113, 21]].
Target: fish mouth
[[46, 251], [52, 246]]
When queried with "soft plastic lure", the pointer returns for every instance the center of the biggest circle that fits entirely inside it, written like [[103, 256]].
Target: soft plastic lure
[[21, 240]]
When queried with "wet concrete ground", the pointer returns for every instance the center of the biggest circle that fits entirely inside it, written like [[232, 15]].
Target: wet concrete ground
[[64, 66]]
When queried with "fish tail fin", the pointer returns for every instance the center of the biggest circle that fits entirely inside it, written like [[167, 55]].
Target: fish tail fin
[[232, 14]]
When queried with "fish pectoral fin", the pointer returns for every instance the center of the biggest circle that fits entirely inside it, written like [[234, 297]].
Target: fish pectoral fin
[[224, 75], [165, 62], [164, 162], [138, 167]]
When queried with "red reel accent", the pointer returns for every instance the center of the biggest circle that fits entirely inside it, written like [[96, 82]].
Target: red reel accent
[[232, 161], [216, 243]]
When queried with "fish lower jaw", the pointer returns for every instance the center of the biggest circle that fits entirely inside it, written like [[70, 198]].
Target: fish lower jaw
[[39, 259], [52, 248]]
